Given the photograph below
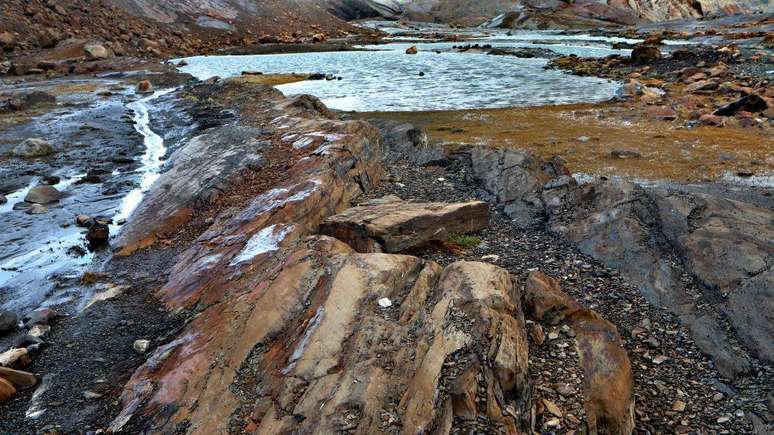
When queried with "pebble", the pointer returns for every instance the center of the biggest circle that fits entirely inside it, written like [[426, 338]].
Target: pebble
[[491, 257], [384, 302], [678, 406], [141, 346], [91, 395]]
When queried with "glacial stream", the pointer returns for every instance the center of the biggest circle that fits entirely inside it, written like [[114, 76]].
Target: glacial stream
[[35, 269]]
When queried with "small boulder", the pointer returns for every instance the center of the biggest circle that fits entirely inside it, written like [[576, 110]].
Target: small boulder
[[144, 87], [749, 103], [399, 225], [702, 85], [99, 233], [96, 51], [625, 154], [412, 50], [8, 321], [83, 221], [663, 113], [7, 41], [42, 194], [713, 120], [141, 346], [39, 316], [642, 54], [6, 390], [33, 147]]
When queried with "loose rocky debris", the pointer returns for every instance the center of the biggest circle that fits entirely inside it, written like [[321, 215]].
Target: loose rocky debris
[[392, 225]]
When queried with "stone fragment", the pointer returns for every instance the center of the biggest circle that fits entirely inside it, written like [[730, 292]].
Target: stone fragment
[[96, 51], [643, 54], [144, 87], [607, 374], [412, 50], [749, 103], [18, 378], [141, 346]]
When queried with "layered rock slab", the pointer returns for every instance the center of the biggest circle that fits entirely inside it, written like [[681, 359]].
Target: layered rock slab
[[302, 345], [393, 225]]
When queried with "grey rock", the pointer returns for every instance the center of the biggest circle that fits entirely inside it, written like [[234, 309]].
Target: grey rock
[[517, 180], [406, 140], [8, 321], [33, 147], [42, 194]]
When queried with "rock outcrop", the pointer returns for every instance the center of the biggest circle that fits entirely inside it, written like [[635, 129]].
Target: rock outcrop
[[608, 385], [520, 181], [393, 225], [308, 334]]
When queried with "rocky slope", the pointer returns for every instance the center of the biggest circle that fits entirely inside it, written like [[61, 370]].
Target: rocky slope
[[558, 13], [162, 27]]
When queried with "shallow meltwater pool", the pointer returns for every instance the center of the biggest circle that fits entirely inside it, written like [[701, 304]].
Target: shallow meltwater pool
[[384, 78]]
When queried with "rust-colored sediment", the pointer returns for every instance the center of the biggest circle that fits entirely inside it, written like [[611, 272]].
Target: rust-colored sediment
[[669, 150]]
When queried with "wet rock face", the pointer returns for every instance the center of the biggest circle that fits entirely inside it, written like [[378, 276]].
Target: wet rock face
[[393, 225], [226, 157]]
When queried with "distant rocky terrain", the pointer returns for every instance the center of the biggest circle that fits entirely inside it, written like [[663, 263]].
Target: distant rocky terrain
[[545, 14]]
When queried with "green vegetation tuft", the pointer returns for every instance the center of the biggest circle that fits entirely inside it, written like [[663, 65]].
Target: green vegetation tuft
[[465, 241]]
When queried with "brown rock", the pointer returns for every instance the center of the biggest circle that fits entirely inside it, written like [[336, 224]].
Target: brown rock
[[96, 51], [42, 194], [399, 225], [625, 154], [662, 113], [642, 54], [412, 50], [607, 375], [712, 120], [7, 41], [702, 85], [144, 87], [6, 390], [19, 379]]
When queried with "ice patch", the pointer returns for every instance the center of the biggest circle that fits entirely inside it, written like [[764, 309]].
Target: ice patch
[[303, 142], [266, 240]]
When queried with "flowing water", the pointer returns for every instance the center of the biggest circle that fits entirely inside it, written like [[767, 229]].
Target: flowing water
[[37, 254]]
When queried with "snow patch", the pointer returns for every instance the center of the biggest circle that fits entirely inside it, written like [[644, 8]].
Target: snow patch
[[266, 240]]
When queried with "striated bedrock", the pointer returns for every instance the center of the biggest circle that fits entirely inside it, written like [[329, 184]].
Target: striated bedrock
[[276, 152], [298, 341], [608, 385], [656, 238]]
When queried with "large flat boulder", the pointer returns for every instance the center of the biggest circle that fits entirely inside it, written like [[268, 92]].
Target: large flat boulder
[[393, 225]]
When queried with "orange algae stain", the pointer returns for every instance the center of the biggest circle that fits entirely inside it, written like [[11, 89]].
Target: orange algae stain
[[585, 135]]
